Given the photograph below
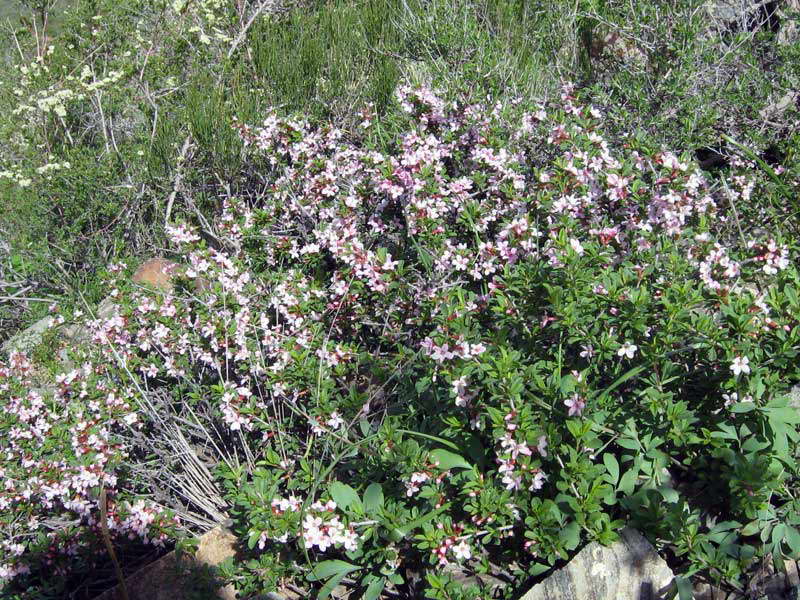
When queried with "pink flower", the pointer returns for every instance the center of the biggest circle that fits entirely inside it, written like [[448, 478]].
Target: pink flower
[[576, 404], [576, 246], [538, 481]]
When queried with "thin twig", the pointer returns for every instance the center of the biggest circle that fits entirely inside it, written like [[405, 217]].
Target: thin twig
[[240, 38], [178, 177], [27, 299], [19, 293], [109, 546], [102, 120]]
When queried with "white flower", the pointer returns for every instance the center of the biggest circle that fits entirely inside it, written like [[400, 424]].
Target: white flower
[[541, 446], [740, 364], [627, 349], [462, 551], [335, 421]]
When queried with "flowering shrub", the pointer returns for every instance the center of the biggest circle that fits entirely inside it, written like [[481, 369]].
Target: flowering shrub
[[501, 339], [59, 451]]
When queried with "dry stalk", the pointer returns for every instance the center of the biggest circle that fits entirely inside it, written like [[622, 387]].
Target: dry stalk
[[109, 546], [178, 177]]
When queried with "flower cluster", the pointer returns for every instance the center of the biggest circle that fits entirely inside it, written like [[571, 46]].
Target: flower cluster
[[324, 529], [460, 551], [59, 447]]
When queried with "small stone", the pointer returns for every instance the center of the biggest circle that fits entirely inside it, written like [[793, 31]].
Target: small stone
[[160, 274], [169, 579], [157, 273]]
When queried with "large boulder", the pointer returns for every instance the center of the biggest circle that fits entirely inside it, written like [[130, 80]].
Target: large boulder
[[629, 569]]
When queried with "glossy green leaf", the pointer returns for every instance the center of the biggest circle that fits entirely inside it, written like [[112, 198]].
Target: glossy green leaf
[[669, 494], [612, 467], [571, 535], [345, 496], [449, 460], [373, 498], [751, 528], [792, 538], [374, 589], [326, 589], [330, 568], [628, 481]]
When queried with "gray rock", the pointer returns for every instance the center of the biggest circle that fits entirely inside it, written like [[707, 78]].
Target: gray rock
[[789, 12], [79, 333], [733, 16], [729, 11], [777, 108], [26, 340], [629, 569], [794, 397]]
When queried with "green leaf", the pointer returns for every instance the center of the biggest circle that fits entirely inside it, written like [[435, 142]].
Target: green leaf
[[571, 535], [396, 534], [628, 481], [623, 378], [725, 526], [538, 569], [612, 466], [326, 589], [727, 432], [330, 568], [252, 539], [365, 427], [760, 388], [629, 444], [396, 579], [405, 529], [782, 414], [684, 586], [448, 460], [345, 496], [751, 528], [792, 538], [742, 407], [567, 385], [782, 421], [373, 498], [374, 589], [669, 494], [778, 533], [791, 294], [765, 532], [575, 428]]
